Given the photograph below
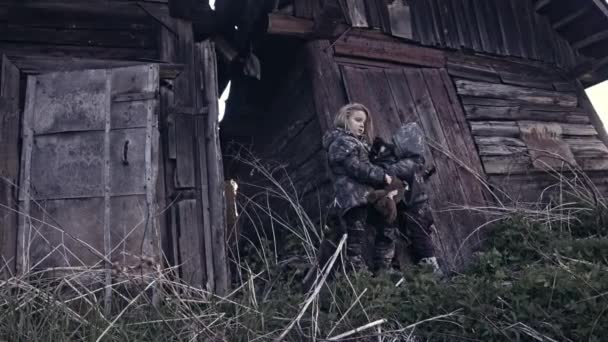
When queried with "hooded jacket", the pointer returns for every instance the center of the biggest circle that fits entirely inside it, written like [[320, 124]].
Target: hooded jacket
[[354, 175]]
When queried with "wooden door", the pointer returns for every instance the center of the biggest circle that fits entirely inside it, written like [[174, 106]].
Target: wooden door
[[427, 96], [9, 165], [88, 170]]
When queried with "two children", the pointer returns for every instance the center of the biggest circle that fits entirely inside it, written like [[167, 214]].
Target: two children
[[356, 177]]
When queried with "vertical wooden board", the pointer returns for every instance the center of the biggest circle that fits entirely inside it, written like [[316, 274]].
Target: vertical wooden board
[[58, 172], [424, 106], [190, 243], [215, 169], [461, 24], [364, 86], [204, 206], [184, 167], [471, 27], [67, 233], [543, 33], [511, 36], [328, 88], [184, 83], [373, 14], [435, 16], [423, 26], [525, 12], [450, 31], [400, 90], [518, 19], [9, 168], [491, 10], [69, 101], [482, 25]]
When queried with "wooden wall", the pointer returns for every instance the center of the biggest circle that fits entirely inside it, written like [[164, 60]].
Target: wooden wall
[[519, 114], [106, 29], [54, 35], [499, 27]]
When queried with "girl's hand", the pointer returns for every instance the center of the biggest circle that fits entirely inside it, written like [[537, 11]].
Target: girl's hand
[[388, 179]]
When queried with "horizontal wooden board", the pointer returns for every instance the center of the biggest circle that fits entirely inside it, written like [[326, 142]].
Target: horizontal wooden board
[[501, 165], [535, 96], [393, 51], [98, 38], [495, 128], [476, 112]]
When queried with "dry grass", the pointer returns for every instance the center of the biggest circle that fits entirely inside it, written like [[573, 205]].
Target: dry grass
[[267, 302]]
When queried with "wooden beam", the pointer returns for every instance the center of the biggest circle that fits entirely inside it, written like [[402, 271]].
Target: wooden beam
[[570, 18], [377, 46], [590, 40], [287, 25]]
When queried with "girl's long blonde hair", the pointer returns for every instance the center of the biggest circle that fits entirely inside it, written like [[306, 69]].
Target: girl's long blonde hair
[[341, 119]]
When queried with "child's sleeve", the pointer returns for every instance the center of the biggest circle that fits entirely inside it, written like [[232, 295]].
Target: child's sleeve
[[344, 153], [404, 169]]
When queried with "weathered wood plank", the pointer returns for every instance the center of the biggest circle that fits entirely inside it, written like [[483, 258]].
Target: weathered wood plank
[[184, 167], [515, 112], [393, 51], [500, 165], [503, 141], [217, 211], [365, 86], [472, 29], [461, 24], [9, 168], [587, 147], [424, 26], [484, 89], [118, 39], [578, 129], [495, 128], [434, 15], [327, 85], [471, 71], [190, 243]]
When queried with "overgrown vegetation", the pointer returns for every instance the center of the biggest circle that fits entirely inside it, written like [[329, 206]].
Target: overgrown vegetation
[[542, 276]]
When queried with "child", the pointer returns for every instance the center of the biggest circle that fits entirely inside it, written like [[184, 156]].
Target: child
[[348, 148], [415, 218]]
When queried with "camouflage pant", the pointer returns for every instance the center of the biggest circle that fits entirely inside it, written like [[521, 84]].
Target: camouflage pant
[[358, 222], [416, 223]]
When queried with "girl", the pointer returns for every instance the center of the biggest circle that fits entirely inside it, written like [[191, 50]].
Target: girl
[[355, 176]]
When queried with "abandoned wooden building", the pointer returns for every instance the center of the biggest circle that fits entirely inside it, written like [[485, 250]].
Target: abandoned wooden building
[[110, 140], [497, 85]]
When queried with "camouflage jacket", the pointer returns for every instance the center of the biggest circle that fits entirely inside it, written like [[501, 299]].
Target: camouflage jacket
[[354, 175]]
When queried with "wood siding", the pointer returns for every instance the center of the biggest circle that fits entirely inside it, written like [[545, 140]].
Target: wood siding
[[497, 27], [527, 120]]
